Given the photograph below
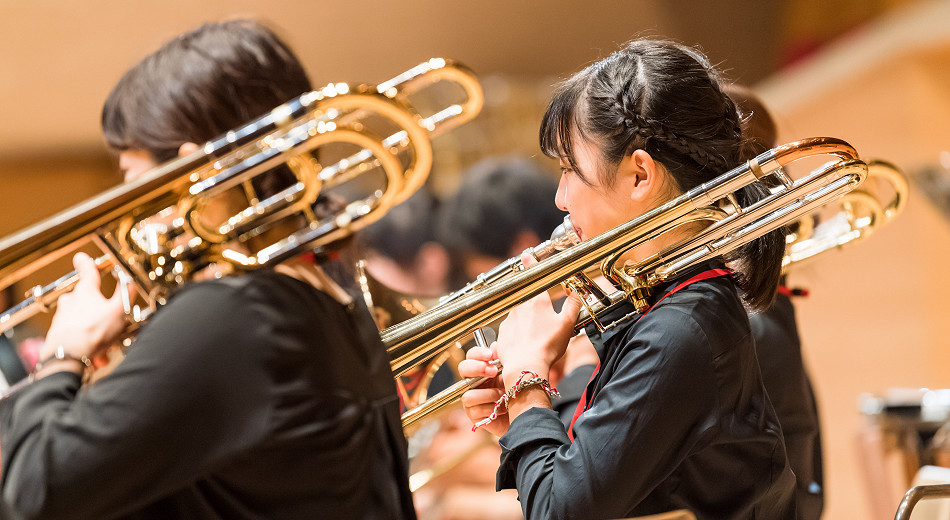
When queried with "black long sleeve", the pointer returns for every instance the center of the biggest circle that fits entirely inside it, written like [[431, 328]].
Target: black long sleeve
[[255, 397]]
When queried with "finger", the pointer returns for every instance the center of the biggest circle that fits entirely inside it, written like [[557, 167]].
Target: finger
[[528, 259], [571, 307], [88, 272], [477, 413], [480, 396], [474, 368], [479, 353]]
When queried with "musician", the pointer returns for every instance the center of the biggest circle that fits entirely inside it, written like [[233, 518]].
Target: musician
[[402, 250], [262, 396], [778, 345], [676, 416]]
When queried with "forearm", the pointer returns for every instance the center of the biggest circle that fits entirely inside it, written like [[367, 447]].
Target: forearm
[[527, 462], [27, 441]]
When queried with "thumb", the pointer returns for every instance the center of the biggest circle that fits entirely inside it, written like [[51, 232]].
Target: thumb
[[87, 270], [571, 307]]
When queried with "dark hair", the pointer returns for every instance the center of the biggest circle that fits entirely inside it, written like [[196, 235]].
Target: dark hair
[[402, 232], [500, 198], [664, 98], [200, 85], [759, 132]]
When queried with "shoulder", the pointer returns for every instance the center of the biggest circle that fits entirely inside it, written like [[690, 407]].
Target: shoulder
[[255, 303], [779, 318], [712, 306], [243, 293], [696, 323]]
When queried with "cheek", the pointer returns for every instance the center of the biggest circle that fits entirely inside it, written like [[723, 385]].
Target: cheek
[[135, 165]]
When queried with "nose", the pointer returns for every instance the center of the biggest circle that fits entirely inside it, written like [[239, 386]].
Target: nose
[[560, 199]]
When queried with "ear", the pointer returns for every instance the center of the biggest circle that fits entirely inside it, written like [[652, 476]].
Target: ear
[[643, 175], [186, 149]]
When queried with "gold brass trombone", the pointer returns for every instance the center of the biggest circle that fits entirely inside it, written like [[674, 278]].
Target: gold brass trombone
[[390, 307], [155, 231], [858, 214], [422, 337]]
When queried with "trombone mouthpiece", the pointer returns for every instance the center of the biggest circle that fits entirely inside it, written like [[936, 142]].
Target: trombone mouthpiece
[[562, 238]]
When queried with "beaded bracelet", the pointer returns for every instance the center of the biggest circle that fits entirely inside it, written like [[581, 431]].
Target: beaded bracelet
[[520, 385], [60, 354]]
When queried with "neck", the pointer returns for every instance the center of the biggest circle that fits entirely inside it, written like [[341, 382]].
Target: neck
[[312, 274], [670, 238]]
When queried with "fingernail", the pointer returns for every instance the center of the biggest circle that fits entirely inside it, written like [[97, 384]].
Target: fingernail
[[491, 371]]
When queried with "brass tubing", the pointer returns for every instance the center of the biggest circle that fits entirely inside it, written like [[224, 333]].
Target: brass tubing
[[419, 338]]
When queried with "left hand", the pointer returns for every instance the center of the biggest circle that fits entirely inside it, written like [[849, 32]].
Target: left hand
[[86, 322], [533, 337]]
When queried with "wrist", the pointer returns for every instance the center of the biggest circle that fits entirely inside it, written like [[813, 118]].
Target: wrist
[[532, 397], [529, 389], [511, 375], [60, 360]]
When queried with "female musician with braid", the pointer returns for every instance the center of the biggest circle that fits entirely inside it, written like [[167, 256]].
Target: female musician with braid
[[675, 416], [262, 396]]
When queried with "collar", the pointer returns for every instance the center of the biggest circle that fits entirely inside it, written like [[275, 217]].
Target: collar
[[659, 291]]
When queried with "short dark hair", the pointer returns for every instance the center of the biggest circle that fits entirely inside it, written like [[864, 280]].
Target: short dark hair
[[664, 98], [404, 229], [200, 85], [500, 198]]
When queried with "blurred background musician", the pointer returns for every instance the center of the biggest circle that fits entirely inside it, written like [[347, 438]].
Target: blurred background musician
[[778, 346], [267, 395], [503, 206], [402, 251]]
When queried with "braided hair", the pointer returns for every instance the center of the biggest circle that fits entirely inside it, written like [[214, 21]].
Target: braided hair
[[663, 98]]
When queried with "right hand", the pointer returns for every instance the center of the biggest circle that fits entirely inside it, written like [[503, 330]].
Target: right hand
[[479, 403], [85, 322]]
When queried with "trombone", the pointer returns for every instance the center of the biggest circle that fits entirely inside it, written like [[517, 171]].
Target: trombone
[[422, 337], [155, 232], [858, 214]]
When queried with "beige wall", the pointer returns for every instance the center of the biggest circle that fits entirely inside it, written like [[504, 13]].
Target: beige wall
[[877, 314], [34, 187]]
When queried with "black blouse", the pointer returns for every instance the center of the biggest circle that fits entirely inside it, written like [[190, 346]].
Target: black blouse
[[250, 397], [678, 419]]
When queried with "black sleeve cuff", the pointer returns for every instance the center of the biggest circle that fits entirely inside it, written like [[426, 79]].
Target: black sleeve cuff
[[532, 429]]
